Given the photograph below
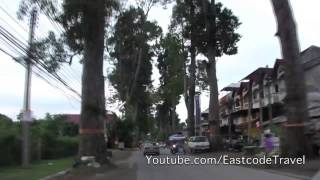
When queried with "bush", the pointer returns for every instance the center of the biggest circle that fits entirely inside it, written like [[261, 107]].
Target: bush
[[9, 142], [45, 142], [10, 150], [59, 147]]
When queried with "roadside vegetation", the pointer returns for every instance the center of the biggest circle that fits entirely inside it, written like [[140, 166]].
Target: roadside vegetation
[[37, 170], [52, 138]]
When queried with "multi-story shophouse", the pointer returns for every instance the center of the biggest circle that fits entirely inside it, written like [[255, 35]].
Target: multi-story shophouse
[[257, 103]]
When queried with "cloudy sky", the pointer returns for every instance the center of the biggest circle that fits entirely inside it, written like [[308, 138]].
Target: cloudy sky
[[257, 48]]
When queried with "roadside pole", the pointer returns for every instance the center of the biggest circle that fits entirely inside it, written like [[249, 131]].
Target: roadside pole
[[27, 117]]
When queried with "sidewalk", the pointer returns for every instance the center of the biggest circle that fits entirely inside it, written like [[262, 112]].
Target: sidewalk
[[84, 173]]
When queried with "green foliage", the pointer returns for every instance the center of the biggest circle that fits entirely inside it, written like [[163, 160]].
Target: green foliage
[[74, 21], [50, 51], [58, 147], [53, 50], [131, 33], [37, 170], [57, 138], [130, 50], [9, 141], [189, 20], [125, 130], [47, 6], [226, 24], [170, 65], [56, 125]]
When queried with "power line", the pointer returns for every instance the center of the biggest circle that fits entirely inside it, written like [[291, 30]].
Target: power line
[[18, 33], [59, 29], [40, 76], [21, 48], [11, 17]]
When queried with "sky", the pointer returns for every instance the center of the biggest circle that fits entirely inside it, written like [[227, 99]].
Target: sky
[[258, 47]]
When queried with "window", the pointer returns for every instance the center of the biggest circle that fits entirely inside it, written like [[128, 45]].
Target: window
[[237, 103], [276, 88]]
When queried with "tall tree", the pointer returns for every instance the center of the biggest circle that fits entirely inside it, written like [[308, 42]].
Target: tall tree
[[84, 23], [219, 38], [209, 29], [132, 56], [294, 143], [170, 65], [210, 18], [184, 23]]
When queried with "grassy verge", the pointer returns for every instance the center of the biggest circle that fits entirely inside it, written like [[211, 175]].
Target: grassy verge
[[36, 171]]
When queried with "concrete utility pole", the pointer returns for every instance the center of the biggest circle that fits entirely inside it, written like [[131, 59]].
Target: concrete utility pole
[[27, 117]]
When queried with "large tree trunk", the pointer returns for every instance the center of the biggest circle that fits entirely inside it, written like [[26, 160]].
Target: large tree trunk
[[214, 118], [93, 100], [191, 90], [173, 115], [192, 72], [185, 92], [294, 143]]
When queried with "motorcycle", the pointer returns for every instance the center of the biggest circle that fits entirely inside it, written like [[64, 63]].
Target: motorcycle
[[178, 148]]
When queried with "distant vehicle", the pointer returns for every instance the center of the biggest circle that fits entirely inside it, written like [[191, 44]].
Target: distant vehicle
[[121, 145], [236, 144], [151, 148], [198, 143], [177, 143], [162, 145]]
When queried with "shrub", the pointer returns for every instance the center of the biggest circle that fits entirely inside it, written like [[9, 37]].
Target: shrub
[[59, 147], [10, 144]]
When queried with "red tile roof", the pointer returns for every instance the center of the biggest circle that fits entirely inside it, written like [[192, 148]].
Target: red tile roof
[[75, 118]]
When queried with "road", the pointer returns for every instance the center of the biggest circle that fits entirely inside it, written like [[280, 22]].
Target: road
[[137, 168]]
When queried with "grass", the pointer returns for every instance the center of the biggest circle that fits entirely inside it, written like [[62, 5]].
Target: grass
[[36, 171]]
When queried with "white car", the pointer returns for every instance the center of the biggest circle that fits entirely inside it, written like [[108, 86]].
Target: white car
[[198, 143], [151, 148]]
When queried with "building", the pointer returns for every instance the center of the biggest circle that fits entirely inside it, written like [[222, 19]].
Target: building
[[256, 102], [75, 118]]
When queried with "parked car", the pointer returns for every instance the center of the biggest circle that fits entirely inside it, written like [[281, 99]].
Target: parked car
[[151, 148], [198, 143]]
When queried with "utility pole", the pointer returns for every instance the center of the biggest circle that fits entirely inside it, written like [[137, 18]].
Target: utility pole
[[27, 117]]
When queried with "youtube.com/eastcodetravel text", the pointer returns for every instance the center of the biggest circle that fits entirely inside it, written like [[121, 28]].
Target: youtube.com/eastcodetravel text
[[224, 160]]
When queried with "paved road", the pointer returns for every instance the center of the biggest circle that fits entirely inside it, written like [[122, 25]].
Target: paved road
[[136, 168]]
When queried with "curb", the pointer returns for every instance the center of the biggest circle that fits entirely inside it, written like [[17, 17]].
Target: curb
[[61, 173]]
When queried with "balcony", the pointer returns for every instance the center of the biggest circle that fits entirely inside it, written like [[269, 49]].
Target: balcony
[[278, 97], [246, 105], [275, 98], [255, 103], [237, 108]]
